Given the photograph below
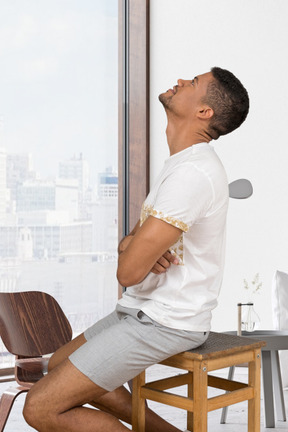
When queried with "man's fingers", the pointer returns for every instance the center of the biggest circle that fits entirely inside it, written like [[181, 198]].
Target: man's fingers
[[170, 258], [164, 262], [158, 269]]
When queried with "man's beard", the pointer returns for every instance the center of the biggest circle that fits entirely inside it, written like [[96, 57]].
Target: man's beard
[[164, 100]]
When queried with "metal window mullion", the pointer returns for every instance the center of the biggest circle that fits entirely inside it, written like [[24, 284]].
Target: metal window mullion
[[126, 118]]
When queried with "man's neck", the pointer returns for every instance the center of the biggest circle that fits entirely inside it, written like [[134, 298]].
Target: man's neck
[[181, 135]]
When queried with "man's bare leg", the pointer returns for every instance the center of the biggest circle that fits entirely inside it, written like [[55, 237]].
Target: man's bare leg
[[55, 403], [118, 402]]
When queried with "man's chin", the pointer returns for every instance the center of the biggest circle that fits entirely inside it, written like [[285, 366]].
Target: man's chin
[[163, 99]]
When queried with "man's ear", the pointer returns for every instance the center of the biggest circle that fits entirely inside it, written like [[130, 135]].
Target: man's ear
[[205, 112]]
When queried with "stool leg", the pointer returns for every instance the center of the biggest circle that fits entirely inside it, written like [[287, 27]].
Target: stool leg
[[190, 395], [138, 404], [254, 404], [200, 404], [225, 409]]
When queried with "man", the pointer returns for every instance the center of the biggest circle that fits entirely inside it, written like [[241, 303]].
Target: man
[[172, 263]]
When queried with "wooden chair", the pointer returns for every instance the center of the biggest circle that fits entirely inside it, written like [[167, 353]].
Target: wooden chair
[[219, 351], [32, 324]]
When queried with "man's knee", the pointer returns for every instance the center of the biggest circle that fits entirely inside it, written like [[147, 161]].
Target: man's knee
[[37, 414]]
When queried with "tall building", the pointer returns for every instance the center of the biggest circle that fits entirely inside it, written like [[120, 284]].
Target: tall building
[[19, 170], [77, 168], [39, 195], [25, 244], [44, 235], [8, 241], [105, 225], [105, 213], [4, 192], [76, 238], [36, 195], [67, 197], [3, 187], [108, 184]]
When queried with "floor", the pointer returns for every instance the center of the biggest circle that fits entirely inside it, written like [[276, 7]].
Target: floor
[[236, 422]]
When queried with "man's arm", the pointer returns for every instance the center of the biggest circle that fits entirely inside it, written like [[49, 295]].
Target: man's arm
[[161, 265], [145, 249], [127, 239]]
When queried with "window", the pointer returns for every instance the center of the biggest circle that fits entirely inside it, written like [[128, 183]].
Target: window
[[63, 129], [59, 146]]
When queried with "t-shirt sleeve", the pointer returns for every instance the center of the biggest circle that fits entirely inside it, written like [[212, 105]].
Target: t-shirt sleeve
[[184, 197]]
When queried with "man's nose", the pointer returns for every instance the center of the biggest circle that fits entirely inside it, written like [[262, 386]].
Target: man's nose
[[180, 82]]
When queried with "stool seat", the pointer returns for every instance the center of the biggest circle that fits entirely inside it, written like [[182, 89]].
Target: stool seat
[[219, 351]]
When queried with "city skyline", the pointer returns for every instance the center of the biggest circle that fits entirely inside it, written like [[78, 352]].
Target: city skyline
[[70, 259], [44, 219], [59, 100], [93, 181]]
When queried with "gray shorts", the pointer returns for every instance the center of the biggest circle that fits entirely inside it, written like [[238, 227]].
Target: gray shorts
[[125, 343]]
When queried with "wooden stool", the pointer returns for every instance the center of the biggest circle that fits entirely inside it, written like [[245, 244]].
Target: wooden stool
[[219, 351]]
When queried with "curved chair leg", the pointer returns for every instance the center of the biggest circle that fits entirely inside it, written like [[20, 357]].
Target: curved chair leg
[[6, 403]]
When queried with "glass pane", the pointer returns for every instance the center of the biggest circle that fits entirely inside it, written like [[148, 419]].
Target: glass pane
[[58, 153]]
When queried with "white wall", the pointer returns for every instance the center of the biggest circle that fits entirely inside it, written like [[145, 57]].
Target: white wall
[[248, 37]]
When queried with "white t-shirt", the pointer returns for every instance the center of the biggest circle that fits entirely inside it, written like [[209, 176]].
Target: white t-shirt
[[190, 193]]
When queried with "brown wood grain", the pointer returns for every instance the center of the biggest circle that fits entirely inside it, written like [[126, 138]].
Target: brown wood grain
[[138, 152], [138, 107], [32, 324]]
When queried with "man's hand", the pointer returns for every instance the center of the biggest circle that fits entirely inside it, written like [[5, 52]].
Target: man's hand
[[161, 265], [164, 262]]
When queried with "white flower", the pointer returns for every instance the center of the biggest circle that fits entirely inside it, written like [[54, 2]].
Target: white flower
[[255, 285]]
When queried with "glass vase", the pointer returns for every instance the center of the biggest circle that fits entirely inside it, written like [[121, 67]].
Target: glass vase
[[250, 319]]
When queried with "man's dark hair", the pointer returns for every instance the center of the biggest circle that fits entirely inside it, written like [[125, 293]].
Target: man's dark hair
[[229, 100]]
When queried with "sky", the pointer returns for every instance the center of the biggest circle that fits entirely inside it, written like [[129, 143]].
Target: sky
[[59, 81]]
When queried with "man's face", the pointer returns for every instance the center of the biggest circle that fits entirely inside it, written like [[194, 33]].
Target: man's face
[[186, 97]]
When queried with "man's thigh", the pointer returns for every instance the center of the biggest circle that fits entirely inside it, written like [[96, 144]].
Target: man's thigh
[[66, 350], [102, 324], [120, 352]]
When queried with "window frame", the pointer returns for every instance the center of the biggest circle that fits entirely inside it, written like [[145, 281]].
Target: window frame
[[133, 111]]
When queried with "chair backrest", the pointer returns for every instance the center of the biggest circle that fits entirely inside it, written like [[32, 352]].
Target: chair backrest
[[32, 323], [240, 189]]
